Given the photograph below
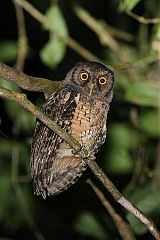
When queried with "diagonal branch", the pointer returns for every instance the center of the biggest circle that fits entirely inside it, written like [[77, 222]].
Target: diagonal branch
[[122, 226], [21, 197], [104, 36], [72, 43], [49, 86], [98, 172], [22, 37], [142, 19], [22, 100], [27, 82]]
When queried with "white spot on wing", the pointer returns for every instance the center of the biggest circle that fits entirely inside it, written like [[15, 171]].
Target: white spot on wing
[[87, 134], [77, 98], [64, 153]]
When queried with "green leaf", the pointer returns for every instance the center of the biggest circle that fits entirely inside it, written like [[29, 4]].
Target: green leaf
[[150, 123], [147, 199], [122, 136], [122, 139], [143, 93], [53, 51], [55, 21], [8, 85], [8, 51], [23, 121], [127, 5], [5, 191], [6, 146], [87, 224], [119, 161]]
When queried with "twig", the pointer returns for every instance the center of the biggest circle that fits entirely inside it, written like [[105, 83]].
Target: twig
[[20, 196], [104, 35], [80, 49], [157, 164], [118, 33], [27, 82], [22, 39], [122, 227], [155, 45], [70, 41], [153, 56], [22, 100], [142, 19], [98, 172], [48, 86], [31, 10], [24, 179]]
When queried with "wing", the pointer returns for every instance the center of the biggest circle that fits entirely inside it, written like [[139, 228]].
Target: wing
[[60, 106]]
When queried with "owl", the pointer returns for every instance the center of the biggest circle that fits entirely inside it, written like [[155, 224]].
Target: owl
[[80, 106]]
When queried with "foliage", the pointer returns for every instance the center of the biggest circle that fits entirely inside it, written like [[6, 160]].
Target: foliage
[[131, 153], [53, 51]]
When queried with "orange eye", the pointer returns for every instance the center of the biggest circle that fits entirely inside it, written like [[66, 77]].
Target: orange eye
[[102, 80], [84, 76]]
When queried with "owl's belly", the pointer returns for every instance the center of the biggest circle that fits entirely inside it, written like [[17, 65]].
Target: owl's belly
[[88, 127]]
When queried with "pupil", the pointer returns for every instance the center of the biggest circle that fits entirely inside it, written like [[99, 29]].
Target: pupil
[[102, 80], [84, 76]]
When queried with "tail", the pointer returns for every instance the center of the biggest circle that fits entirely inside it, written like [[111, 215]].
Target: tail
[[63, 174]]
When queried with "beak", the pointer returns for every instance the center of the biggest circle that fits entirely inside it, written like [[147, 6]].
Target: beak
[[91, 89]]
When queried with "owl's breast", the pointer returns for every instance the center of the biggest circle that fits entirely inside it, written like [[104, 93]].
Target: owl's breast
[[88, 125]]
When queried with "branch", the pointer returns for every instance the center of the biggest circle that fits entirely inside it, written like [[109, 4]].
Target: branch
[[27, 82], [22, 38], [142, 19], [48, 86], [98, 172], [70, 41], [122, 227], [148, 59], [22, 100], [83, 51], [20, 196], [103, 33], [96, 26]]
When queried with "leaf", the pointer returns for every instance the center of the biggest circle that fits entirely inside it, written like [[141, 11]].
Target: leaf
[[147, 199], [122, 140], [8, 85], [122, 136], [6, 147], [8, 51], [23, 121], [143, 93], [127, 5], [5, 191], [119, 161], [88, 225], [53, 51], [149, 122]]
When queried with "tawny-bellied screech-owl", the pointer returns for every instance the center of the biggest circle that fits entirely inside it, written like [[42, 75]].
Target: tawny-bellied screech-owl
[[80, 106]]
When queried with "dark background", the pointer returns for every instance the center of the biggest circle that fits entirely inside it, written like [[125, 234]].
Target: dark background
[[130, 156]]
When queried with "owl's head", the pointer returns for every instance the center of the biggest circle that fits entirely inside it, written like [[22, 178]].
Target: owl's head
[[92, 79]]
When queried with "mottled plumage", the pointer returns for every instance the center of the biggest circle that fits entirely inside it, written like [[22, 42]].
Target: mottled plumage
[[79, 106]]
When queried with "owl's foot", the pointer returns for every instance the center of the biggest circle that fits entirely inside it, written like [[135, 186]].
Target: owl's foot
[[83, 153], [87, 153]]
